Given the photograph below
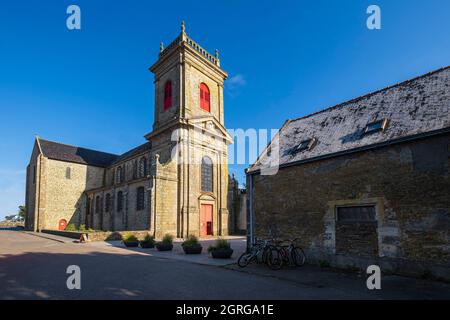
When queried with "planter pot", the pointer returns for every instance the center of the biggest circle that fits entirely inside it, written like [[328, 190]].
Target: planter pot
[[131, 244], [164, 246], [222, 253], [197, 249], [147, 245]]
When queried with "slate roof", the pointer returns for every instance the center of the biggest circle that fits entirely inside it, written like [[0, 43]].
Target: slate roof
[[417, 106], [133, 152], [64, 152]]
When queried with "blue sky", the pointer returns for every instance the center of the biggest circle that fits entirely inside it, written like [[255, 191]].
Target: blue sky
[[92, 87]]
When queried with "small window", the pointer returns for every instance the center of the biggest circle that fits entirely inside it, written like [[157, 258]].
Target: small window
[[140, 198], [97, 204], [375, 126], [68, 172], [135, 169], [143, 167], [107, 202], [204, 97], [356, 214], [119, 175], [119, 201], [303, 146], [167, 95]]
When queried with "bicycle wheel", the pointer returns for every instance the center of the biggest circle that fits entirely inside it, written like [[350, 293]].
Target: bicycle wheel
[[245, 259], [274, 259], [298, 257]]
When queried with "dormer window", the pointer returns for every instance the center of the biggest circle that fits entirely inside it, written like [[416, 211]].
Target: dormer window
[[204, 97], [167, 95], [376, 126], [303, 146]]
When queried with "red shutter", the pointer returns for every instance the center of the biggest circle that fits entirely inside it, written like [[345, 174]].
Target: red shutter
[[204, 97]]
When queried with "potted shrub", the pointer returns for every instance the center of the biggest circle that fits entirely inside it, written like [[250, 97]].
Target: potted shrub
[[148, 242], [191, 245], [221, 250], [130, 240], [166, 244]]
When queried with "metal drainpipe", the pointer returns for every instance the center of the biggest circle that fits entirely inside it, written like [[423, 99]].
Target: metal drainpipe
[[154, 208], [250, 234]]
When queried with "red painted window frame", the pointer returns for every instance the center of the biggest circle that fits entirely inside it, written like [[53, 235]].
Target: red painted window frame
[[167, 95], [205, 97]]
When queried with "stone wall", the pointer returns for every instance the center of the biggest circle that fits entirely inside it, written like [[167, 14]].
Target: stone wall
[[65, 194], [128, 218], [237, 204], [98, 236], [409, 185]]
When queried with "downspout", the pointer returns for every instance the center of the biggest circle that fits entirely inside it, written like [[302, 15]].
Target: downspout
[[250, 222], [154, 185]]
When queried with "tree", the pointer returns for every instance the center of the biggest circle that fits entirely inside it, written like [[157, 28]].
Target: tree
[[22, 212]]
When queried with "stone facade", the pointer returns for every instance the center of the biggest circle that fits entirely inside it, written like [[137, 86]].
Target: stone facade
[[237, 204], [158, 185], [386, 204]]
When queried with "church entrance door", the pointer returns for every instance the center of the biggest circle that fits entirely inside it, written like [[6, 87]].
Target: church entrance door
[[206, 220]]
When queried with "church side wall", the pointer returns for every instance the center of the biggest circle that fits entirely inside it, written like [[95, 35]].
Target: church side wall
[[65, 191]]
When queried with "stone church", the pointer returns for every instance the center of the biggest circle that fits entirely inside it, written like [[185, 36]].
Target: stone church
[[176, 182]]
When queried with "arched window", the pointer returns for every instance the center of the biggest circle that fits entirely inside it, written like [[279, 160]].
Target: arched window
[[140, 198], [207, 174], [119, 201], [107, 202], [119, 175], [143, 167], [167, 95], [97, 204], [204, 97]]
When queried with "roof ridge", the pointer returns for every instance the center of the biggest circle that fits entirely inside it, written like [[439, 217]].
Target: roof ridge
[[73, 146], [342, 104]]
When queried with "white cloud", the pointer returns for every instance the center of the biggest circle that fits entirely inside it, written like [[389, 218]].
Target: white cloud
[[12, 191], [236, 81]]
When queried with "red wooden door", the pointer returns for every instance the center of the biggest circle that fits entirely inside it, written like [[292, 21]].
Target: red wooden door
[[206, 220], [62, 224]]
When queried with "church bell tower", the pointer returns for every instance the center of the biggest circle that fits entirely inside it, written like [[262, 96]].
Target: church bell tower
[[190, 170]]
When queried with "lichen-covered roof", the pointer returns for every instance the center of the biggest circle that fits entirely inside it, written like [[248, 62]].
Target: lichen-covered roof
[[413, 107], [64, 152], [68, 153], [133, 152]]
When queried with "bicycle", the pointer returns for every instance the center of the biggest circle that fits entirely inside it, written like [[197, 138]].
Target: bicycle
[[290, 255], [262, 252]]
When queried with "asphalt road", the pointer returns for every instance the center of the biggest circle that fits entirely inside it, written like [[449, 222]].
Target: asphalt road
[[35, 268]]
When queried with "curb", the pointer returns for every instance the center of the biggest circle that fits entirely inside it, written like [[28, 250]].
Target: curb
[[44, 237]]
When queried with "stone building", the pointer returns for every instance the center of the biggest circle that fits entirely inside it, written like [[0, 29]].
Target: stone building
[[363, 182], [176, 182], [237, 206]]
